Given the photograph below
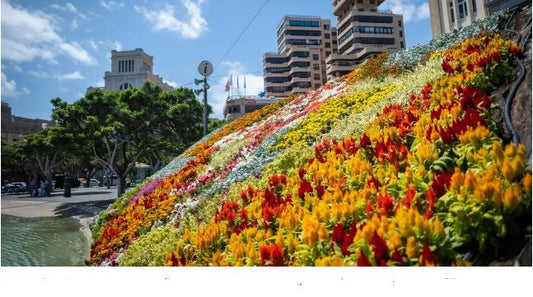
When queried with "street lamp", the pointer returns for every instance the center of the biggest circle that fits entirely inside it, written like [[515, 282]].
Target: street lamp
[[205, 68]]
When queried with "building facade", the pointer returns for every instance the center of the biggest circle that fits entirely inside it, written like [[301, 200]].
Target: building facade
[[15, 128], [237, 106], [131, 69], [449, 15], [363, 32], [304, 43]]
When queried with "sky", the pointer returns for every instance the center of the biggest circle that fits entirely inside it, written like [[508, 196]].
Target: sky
[[53, 48]]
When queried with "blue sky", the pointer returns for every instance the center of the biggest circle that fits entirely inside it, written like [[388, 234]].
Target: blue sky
[[55, 48]]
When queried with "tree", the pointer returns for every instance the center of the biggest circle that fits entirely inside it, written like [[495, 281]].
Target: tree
[[17, 165], [124, 127], [48, 149]]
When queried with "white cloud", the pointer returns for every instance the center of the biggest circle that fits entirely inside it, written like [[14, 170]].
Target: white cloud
[[410, 11], [164, 19], [26, 90], [69, 7], [110, 5], [93, 44], [9, 87], [217, 95], [74, 50], [70, 76], [39, 74], [33, 35], [74, 24], [171, 83]]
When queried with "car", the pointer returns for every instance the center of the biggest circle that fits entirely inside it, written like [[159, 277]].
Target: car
[[14, 187], [93, 182], [136, 182]]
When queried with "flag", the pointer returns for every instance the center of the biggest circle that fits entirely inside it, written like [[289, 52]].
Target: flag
[[227, 85]]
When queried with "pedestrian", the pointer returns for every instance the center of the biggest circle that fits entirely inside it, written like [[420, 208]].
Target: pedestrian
[[33, 187], [43, 189]]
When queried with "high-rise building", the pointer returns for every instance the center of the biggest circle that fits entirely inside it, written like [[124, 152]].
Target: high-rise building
[[448, 15], [304, 43], [131, 69], [363, 32]]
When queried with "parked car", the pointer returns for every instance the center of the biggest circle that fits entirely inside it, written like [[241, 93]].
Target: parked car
[[136, 182], [93, 182], [14, 187]]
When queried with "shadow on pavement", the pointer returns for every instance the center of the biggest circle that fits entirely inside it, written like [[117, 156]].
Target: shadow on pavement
[[82, 209]]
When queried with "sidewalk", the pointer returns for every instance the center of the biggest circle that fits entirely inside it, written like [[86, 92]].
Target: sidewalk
[[83, 203]]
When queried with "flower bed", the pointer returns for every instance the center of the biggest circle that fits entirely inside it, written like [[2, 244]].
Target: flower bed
[[422, 182]]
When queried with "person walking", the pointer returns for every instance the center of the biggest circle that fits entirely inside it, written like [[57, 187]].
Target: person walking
[[33, 187]]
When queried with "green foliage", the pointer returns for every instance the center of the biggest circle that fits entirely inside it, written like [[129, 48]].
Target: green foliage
[[133, 125], [150, 249]]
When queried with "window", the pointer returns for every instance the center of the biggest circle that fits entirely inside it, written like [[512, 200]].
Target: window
[[402, 45], [401, 33], [463, 12], [328, 45], [474, 6], [300, 54], [125, 85], [317, 86], [316, 67], [326, 27], [399, 23], [452, 15], [234, 109], [328, 53], [327, 36], [316, 76], [299, 23], [315, 57]]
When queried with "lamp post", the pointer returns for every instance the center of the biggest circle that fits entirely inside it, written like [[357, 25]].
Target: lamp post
[[205, 68]]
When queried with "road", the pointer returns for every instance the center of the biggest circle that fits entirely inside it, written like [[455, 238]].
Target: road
[[83, 203]]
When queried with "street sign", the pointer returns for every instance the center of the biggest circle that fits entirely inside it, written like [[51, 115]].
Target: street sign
[[205, 68]]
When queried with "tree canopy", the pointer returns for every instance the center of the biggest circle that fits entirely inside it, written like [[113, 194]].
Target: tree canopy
[[122, 128]]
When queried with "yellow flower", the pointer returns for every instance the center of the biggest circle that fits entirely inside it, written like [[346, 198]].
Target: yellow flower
[[526, 182], [330, 261], [497, 152], [510, 150], [511, 198], [411, 250], [395, 240]]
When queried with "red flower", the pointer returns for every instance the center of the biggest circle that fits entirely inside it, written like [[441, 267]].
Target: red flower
[[385, 203], [338, 233], [375, 182], [441, 182], [446, 66], [409, 196], [305, 187], [320, 190], [301, 173], [397, 257], [363, 260], [428, 257], [379, 246], [365, 141], [271, 255]]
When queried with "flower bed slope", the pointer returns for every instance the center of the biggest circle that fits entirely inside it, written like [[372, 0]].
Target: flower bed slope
[[401, 169]]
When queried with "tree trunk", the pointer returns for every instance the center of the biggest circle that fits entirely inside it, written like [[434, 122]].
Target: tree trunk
[[121, 185]]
